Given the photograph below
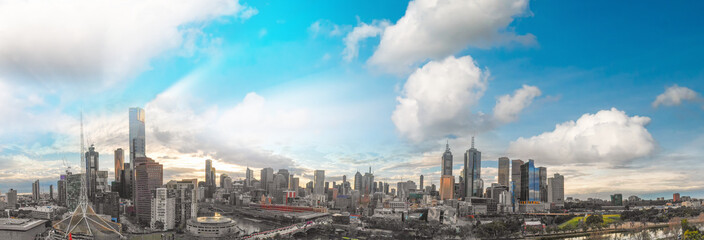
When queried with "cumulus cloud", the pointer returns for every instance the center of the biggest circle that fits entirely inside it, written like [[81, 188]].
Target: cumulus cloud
[[432, 29], [508, 107], [609, 136], [324, 27], [437, 99], [359, 33], [674, 96], [106, 41]]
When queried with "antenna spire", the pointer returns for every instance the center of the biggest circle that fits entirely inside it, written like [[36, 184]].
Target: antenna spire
[[472, 141]]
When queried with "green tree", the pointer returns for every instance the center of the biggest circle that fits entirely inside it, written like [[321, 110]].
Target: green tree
[[594, 220]]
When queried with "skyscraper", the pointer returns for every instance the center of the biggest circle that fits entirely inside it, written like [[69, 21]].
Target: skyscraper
[[556, 188], [223, 178], [61, 185], [358, 181], [472, 172], [119, 163], [12, 198], [319, 182], [92, 166], [367, 182], [266, 177], [35, 191], [516, 177], [421, 182], [209, 180], [503, 171], [249, 176], [530, 183], [149, 175], [284, 172], [543, 173], [447, 161], [137, 139], [51, 192]]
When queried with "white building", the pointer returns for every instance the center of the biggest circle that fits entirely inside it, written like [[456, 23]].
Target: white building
[[163, 210]]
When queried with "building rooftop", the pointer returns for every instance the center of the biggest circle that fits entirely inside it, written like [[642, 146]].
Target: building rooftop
[[14, 224]]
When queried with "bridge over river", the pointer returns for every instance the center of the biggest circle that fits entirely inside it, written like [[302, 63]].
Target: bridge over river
[[289, 230]]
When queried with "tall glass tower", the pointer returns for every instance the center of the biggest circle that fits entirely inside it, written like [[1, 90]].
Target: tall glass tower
[[137, 140], [447, 161], [473, 172]]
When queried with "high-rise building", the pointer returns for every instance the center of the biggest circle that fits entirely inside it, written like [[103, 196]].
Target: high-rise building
[[319, 182], [185, 193], [101, 182], [249, 176], [61, 185], [675, 197], [367, 182], [119, 163], [35, 191], [446, 161], [503, 171], [209, 179], [137, 139], [73, 190], [294, 184], [266, 177], [223, 177], [472, 172], [358, 181], [12, 198], [516, 177], [447, 187], [556, 188], [421, 182], [543, 173], [530, 183], [51, 192], [92, 166], [149, 175], [284, 173], [617, 199], [126, 185], [162, 211]]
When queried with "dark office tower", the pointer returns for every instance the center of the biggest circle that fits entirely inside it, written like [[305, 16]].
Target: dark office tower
[[12, 198], [249, 176], [344, 179], [209, 180], [543, 175], [149, 175], [503, 171], [473, 172], [421, 182], [266, 177], [358, 182], [286, 179], [61, 185], [92, 166], [35, 191], [126, 184], [119, 163], [223, 178], [516, 177], [51, 192], [319, 182], [447, 161], [530, 183], [137, 140], [367, 182]]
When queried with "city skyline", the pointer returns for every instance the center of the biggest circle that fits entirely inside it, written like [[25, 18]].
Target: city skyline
[[343, 97]]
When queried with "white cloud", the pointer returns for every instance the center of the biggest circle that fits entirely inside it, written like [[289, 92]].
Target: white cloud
[[248, 12], [609, 136], [674, 96], [324, 27], [433, 29], [359, 33], [437, 99], [101, 40], [508, 107]]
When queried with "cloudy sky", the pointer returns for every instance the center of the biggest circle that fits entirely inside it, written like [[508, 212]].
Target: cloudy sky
[[607, 93]]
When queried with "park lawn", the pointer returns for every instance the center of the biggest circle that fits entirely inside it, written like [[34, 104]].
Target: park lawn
[[608, 219]]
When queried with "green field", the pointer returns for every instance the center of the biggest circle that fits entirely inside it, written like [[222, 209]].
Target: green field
[[608, 219]]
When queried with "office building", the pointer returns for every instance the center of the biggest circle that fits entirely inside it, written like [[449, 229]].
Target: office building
[[319, 182], [266, 177], [516, 177], [556, 188], [119, 163], [249, 176], [503, 171], [447, 187], [61, 188], [530, 183], [617, 199], [73, 190], [367, 183], [148, 177], [446, 161], [676, 197], [472, 173], [162, 211], [92, 166], [223, 179], [35, 191], [12, 198], [286, 179], [358, 181], [185, 193], [51, 192], [137, 137], [543, 173], [101, 182], [421, 182], [209, 179]]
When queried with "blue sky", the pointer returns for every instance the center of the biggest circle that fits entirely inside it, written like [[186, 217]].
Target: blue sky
[[606, 93]]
